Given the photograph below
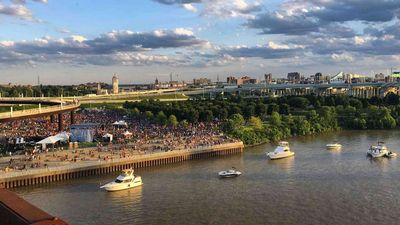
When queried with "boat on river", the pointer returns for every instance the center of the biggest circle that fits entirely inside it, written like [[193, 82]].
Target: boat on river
[[282, 151], [127, 179], [229, 173], [379, 150], [334, 146]]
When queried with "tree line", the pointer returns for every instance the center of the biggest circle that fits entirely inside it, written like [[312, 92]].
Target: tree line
[[271, 119]]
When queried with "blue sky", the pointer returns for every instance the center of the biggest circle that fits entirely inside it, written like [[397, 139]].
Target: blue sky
[[69, 42]]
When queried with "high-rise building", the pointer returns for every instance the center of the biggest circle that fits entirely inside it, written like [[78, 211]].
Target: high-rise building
[[294, 76], [268, 78], [115, 84]]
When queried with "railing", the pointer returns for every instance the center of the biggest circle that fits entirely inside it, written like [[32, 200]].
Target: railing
[[36, 111]]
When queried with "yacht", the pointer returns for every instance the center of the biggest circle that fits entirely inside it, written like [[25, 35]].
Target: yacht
[[229, 173], [282, 151], [127, 179], [379, 150], [334, 146]]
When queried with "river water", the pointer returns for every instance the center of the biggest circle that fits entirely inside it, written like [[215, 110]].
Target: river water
[[317, 186]]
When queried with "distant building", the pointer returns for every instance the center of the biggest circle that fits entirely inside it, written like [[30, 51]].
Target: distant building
[[115, 84], [202, 82], [293, 76], [268, 78], [318, 78], [231, 80], [241, 81]]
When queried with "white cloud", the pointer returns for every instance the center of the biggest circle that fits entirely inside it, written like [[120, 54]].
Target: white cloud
[[344, 57], [190, 7], [277, 46]]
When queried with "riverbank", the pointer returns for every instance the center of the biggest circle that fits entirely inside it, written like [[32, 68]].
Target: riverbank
[[75, 169]]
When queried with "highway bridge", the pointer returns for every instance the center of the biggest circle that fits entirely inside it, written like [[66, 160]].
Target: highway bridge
[[360, 90], [51, 108]]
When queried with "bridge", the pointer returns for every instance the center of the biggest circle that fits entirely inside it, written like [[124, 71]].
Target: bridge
[[360, 90], [53, 107]]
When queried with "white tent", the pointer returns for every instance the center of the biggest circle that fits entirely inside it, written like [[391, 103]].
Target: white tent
[[108, 136], [120, 123], [49, 140], [63, 136]]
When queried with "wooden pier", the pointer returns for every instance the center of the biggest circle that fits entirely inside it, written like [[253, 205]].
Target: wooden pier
[[89, 168]]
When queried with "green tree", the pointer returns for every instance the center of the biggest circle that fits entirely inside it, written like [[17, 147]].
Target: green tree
[[255, 123], [172, 121], [161, 117], [392, 99], [135, 112], [299, 102], [275, 119], [149, 115]]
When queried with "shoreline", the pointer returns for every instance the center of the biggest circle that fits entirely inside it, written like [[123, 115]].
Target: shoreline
[[19, 178]]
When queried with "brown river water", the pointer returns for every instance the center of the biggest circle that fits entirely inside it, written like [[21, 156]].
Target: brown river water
[[317, 186]]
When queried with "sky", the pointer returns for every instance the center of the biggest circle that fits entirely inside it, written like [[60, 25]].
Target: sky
[[79, 41]]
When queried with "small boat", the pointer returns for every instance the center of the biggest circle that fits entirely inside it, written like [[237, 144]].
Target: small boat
[[334, 146], [282, 151], [229, 173], [391, 154], [124, 181], [376, 151]]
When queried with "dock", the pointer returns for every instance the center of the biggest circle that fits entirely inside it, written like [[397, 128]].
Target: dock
[[30, 177]]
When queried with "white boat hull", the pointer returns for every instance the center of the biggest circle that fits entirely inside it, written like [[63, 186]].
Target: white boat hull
[[376, 155], [113, 186], [224, 174], [333, 146], [281, 155]]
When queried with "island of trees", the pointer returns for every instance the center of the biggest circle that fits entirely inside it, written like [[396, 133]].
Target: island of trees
[[259, 120]]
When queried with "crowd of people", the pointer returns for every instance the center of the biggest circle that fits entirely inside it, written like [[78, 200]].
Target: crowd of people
[[145, 136]]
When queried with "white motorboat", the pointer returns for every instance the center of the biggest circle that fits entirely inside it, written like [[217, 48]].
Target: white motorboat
[[376, 151], [334, 146], [282, 151], [124, 181], [229, 173]]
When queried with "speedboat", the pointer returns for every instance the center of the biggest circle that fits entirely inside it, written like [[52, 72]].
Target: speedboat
[[376, 151], [282, 151], [229, 173], [334, 146], [127, 179]]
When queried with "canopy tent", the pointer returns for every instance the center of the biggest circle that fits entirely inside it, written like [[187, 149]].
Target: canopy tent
[[63, 136], [49, 140], [120, 123], [108, 137]]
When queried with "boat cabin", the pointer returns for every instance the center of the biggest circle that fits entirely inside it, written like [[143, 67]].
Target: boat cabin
[[284, 144]]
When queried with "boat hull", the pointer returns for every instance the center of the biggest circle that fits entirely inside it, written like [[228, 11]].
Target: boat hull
[[274, 156], [229, 176], [374, 155], [112, 186], [333, 147]]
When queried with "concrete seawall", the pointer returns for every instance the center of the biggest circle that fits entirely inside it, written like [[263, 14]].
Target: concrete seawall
[[83, 169]]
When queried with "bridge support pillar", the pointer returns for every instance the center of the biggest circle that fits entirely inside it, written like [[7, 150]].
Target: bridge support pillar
[[60, 122], [72, 117]]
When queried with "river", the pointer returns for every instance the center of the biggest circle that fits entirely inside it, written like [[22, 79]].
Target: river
[[317, 186]]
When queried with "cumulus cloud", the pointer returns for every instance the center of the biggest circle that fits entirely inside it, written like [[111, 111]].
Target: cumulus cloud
[[272, 51], [18, 9], [125, 47], [219, 8], [300, 17]]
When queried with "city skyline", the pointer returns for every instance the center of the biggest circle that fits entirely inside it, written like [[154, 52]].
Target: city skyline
[[71, 42]]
